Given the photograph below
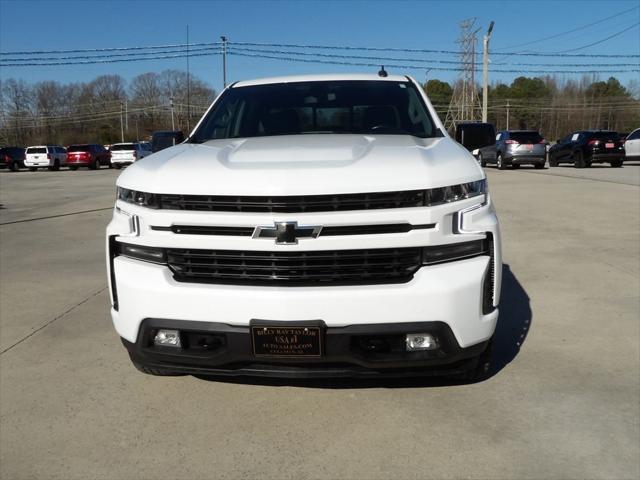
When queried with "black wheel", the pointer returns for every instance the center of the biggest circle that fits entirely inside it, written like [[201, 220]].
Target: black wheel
[[500, 162], [94, 165], [118, 166], [616, 163], [515, 166], [73, 167], [553, 162], [32, 169], [539, 165], [158, 372], [578, 160], [110, 165], [15, 166], [56, 166]]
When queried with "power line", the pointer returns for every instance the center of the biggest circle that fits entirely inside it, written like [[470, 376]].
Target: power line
[[420, 67], [108, 49], [111, 55], [603, 40], [422, 50], [91, 62], [582, 27], [422, 60]]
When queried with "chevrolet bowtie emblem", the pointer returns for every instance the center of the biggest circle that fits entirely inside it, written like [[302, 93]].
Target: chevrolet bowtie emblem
[[286, 233]]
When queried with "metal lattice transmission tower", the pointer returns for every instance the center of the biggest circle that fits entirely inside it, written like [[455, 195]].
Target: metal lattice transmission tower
[[464, 103]]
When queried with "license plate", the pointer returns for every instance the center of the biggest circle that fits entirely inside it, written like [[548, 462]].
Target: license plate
[[608, 145], [286, 341], [528, 146]]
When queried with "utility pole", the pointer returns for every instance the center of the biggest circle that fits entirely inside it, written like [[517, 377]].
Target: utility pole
[[173, 124], [122, 122], [465, 96], [188, 87], [126, 115], [508, 114], [485, 72], [224, 61]]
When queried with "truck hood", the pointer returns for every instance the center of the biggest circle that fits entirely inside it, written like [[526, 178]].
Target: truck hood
[[303, 165]]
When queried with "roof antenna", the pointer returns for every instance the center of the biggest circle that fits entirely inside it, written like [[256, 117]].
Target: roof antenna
[[382, 72]]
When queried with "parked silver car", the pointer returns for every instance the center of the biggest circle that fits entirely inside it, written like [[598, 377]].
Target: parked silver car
[[514, 148]]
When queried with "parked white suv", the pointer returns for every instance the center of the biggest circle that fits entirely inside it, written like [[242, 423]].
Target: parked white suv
[[632, 145], [40, 156], [127, 153], [309, 226]]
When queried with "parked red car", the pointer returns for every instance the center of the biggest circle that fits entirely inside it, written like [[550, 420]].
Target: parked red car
[[88, 155]]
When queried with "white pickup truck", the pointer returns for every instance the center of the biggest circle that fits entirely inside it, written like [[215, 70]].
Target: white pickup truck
[[311, 226]]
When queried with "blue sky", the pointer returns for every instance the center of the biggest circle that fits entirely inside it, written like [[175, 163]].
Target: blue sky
[[55, 25]]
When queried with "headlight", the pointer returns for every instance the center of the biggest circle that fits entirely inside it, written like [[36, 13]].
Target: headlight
[[141, 252], [454, 251], [453, 193], [143, 199]]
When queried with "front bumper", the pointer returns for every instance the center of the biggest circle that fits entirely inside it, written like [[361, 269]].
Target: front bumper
[[449, 292], [453, 294], [354, 351]]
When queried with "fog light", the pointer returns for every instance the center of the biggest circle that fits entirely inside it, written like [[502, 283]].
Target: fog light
[[420, 341], [167, 338]]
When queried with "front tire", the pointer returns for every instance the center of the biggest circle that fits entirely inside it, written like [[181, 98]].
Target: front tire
[[539, 166], [500, 162], [483, 163], [616, 163], [56, 166]]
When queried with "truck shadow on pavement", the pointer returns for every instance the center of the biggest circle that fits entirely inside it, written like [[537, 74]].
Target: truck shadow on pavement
[[511, 332]]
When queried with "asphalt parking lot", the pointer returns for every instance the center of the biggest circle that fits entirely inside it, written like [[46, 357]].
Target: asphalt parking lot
[[563, 400]]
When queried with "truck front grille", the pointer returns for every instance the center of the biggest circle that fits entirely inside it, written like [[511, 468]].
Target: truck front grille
[[294, 204], [368, 266]]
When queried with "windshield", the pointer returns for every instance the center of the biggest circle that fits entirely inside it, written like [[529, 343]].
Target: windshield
[[37, 150], [78, 148], [611, 136], [123, 146], [526, 137], [371, 107]]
